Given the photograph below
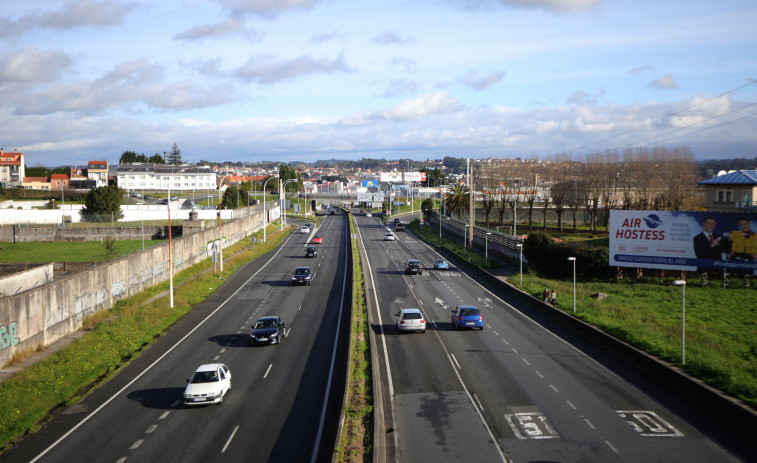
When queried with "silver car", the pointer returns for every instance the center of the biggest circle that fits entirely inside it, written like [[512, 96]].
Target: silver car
[[410, 320], [389, 237]]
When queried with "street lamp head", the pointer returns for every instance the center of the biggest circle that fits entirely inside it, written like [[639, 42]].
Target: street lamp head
[[679, 283], [519, 245], [572, 258]]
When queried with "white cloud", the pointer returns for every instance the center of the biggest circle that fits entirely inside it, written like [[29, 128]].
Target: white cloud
[[397, 87], [422, 106], [229, 27], [391, 38], [482, 83], [266, 8], [665, 82], [637, 72], [31, 65], [268, 69], [71, 15]]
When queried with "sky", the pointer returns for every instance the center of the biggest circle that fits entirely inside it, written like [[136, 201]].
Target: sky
[[303, 80]]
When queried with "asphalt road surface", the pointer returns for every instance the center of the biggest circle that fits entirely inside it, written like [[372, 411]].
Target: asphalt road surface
[[285, 399], [512, 392]]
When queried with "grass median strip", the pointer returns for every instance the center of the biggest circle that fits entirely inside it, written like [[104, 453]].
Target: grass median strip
[[356, 441], [113, 338]]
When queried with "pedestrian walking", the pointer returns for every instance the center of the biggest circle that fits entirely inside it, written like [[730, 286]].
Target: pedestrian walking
[[546, 295], [553, 299]]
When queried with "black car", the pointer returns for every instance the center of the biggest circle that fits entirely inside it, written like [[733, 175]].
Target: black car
[[413, 266], [311, 251], [399, 227], [302, 276], [267, 330], [397, 220]]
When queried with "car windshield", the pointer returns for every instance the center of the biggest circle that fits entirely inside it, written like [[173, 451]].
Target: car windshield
[[310, 249], [204, 377], [412, 316], [265, 324], [468, 311], [302, 271], [440, 261], [414, 264]]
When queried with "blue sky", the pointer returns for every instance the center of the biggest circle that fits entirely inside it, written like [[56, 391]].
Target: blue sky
[[305, 79]]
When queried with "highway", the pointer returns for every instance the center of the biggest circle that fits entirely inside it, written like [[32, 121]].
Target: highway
[[285, 399], [513, 392]]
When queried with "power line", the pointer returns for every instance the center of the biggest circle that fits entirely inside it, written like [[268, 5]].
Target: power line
[[663, 118], [708, 128], [693, 124]]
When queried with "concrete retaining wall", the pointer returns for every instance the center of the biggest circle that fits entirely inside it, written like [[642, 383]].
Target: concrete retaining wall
[[42, 315], [17, 234], [31, 276]]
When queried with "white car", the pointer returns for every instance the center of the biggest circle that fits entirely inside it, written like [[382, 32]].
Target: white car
[[208, 384], [389, 237], [305, 230], [368, 214], [410, 320]]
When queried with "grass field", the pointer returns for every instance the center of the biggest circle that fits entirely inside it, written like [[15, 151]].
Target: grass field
[[78, 251]]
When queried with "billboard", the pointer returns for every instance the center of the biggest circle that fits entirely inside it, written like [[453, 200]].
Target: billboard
[[364, 197], [413, 176], [368, 183], [389, 177], [678, 240]]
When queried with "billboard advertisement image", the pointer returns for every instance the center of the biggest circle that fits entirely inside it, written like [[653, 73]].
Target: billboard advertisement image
[[369, 183], [413, 176], [388, 177], [675, 240]]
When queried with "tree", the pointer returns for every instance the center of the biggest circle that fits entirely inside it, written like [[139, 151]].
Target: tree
[[427, 205], [433, 177], [128, 157], [174, 156], [458, 201], [156, 159], [231, 198], [103, 204]]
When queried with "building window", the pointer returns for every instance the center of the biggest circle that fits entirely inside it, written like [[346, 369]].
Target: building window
[[725, 196]]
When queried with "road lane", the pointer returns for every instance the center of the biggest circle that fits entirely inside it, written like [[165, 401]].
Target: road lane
[[542, 398], [275, 410]]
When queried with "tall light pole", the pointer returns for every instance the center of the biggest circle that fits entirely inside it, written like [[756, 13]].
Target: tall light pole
[[284, 217], [486, 252], [682, 284], [465, 237], [265, 211], [220, 224], [520, 245], [170, 250], [574, 282]]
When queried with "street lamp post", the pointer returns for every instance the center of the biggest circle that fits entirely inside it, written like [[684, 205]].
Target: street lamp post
[[520, 245], [486, 252], [265, 211], [574, 282], [284, 217], [220, 224], [170, 250], [682, 284], [465, 237]]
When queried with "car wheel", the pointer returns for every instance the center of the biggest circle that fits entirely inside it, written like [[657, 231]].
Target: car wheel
[[482, 327]]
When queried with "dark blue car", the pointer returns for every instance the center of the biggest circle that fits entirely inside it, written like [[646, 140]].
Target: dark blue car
[[267, 330], [467, 316]]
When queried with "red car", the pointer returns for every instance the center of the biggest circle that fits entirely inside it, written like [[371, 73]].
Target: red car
[[317, 240]]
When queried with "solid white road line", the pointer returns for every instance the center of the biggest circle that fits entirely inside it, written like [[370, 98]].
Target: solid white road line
[[267, 371], [152, 365]]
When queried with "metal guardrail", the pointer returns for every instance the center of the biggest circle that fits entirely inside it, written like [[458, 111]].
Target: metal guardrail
[[501, 243]]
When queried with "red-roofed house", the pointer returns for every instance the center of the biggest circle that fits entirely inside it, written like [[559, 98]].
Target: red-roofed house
[[11, 169], [59, 182], [98, 171]]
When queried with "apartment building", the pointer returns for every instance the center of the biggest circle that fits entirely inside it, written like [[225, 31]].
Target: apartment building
[[149, 176], [12, 170]]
